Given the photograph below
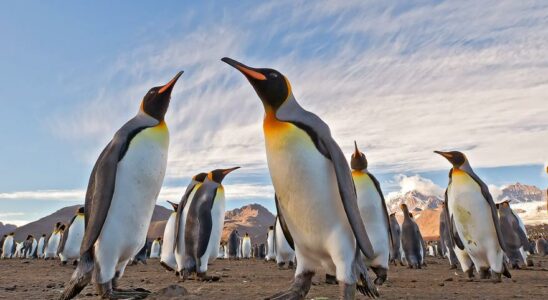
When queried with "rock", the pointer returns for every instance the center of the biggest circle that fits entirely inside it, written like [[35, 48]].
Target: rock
[[171, 291], [50, 285], [448, 279], [89, 295], [10, 288], [413, 280], [441, 284], [225, 269]]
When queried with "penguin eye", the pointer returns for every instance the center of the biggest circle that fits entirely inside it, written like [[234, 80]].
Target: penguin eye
[[273, 75]]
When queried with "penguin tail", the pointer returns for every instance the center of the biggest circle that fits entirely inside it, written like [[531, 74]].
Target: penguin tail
[[364, 284], [80, 278]]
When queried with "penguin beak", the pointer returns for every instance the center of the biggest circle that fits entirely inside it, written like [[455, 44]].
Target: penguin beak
[[247, 71], [169, 86], [356, 151], [226, 171], [447, 155]]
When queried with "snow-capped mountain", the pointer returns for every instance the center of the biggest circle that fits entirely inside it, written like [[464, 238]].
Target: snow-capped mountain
[[520, 193], [415, 201]]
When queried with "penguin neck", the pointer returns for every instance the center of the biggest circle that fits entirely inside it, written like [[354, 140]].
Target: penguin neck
[[271, 122]]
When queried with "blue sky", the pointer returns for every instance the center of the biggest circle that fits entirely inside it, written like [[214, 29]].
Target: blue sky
[[402, 78]]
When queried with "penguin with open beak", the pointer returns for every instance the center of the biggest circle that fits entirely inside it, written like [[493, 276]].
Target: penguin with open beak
[[313, 185]]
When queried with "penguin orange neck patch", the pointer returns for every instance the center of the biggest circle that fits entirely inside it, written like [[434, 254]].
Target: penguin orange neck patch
[[271, 124]]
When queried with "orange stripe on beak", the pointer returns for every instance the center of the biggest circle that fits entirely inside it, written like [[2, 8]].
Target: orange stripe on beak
[[251, 73], [170, 83]]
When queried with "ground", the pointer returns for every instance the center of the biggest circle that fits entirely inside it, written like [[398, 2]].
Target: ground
[[252, 279]]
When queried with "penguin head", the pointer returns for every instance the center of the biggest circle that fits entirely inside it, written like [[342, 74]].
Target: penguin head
[[200, 177], [218, 175], [503, 204], [411, 215], [271, 86], [246, 234], [404, 208], [358, 160], [62, 227], [156, 101], [57, 225], [43, 235], [29, 237], [270, 227], [80, 210], [456, 158], [174, 205]]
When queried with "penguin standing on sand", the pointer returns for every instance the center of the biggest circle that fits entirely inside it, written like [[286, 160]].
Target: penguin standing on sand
[[474, 224], [221, 253], [167, 256], [233, 242], [445, 238], [396, 240], [156, 248], [270, 243], [285, 254], [204, 225], [313, 185], [514, 236], [41, 246], [422, 242], [121, 195], [374, 214], [141, 256], [29, 247], [53, 242], [541, 246], [180, 218], [246, 246], [411, 240], [69, 248]]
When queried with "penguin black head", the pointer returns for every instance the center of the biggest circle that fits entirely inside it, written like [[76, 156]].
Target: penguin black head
[[43, 235], [246, 234], [62, 227], [29, 237], [57, 225], [218, 175], [456, 158], [272, 86], [156, 101], [404, 208], [270, 227], [200, 177], [411, 215], [393, 214], [12, 233], [80, 210], [358, 160], [174, 205]]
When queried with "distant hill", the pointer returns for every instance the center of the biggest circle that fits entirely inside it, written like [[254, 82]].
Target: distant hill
[[253, 219], [415, 201], [520, 193], [45, 224], [6, 228]]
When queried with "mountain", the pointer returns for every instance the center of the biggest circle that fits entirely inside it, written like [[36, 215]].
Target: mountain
[[520, 193], [6, 228], [415, 201], [252, 218], [45, 224]]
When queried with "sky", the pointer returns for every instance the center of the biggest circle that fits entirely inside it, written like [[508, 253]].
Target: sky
[[402, 78]]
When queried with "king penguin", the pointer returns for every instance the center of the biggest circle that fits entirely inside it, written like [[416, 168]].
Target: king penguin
[[204, 225], [246, 246], [271, 244], [121, 195], [233, 243], [411, 240], [374, 214], [69, 248], [156, 248], [313, 184], [29, 247], [41, 246], [285, 254], [53, 242], [396, 240], [180, 218], [167, 256], [474, 225], [515, 237]]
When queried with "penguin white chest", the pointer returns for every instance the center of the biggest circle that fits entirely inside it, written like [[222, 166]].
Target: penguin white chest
[[307, 190], [139, 178], [472, 213]]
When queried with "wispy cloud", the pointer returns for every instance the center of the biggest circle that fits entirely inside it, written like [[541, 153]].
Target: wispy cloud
[[44, 195], [417, 183], [402, 78]]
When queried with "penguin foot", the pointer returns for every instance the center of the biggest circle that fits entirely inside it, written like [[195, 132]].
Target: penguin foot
[[281, 265], [348, 291], [290, 265], [530, 263], [469, 274], [208, 278], [452, 267], [330, 279], [484, 273], [298, 290], [496, 278], [381, 275]]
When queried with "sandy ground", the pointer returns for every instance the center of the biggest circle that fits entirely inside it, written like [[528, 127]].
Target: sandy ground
[[251, 279]]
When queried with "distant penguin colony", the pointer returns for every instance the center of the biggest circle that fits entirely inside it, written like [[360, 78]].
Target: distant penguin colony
[[331, 213]]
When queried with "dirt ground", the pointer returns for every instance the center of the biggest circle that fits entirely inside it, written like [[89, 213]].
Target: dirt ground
[[252, 279]]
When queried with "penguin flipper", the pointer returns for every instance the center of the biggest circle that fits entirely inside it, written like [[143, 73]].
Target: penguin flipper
[[455, 235], [102, 180], [522, 236], [383, 205], [319, 133], [283, 224], [64, 238], [180, 209], [494, 215]]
